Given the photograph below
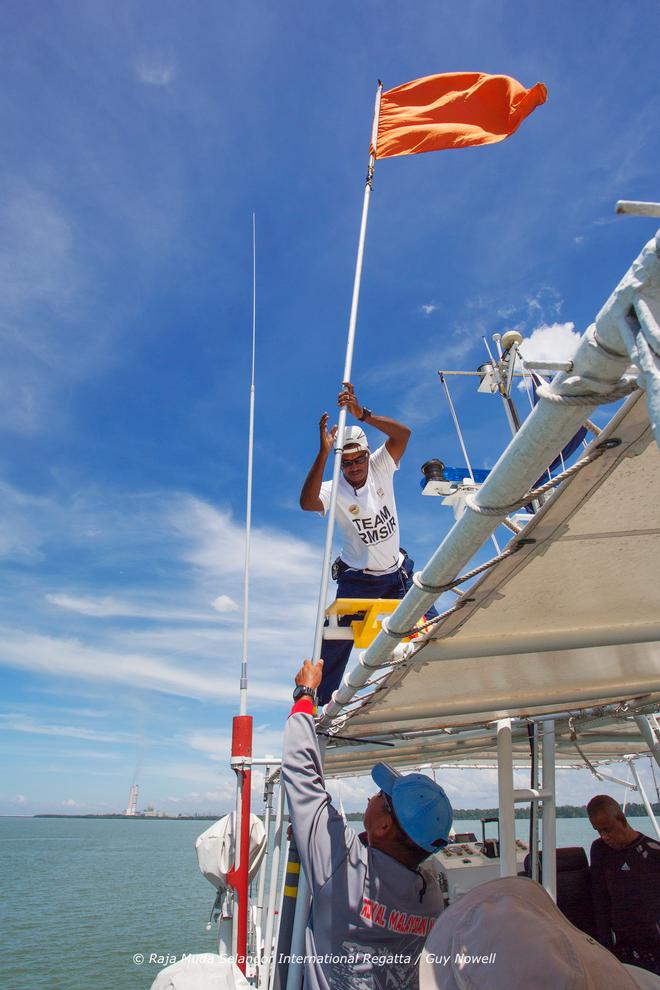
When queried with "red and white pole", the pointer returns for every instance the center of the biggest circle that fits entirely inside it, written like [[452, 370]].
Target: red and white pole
[[237, 878]]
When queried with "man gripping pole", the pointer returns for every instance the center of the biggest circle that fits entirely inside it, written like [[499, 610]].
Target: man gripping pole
[[371, 563]]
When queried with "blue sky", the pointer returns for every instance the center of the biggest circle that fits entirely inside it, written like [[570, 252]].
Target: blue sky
[[137, 141]]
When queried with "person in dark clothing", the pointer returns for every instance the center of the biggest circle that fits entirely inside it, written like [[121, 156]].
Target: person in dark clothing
[[625, 884]]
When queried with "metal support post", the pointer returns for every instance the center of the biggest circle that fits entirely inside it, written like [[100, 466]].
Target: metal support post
[[267, 949], [225, 924], [534, 805], [644, 797], [276, 962], [268, 812], [549, 823], [646, 727], [508, 863]]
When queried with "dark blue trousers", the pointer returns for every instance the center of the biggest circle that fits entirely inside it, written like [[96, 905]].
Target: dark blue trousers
[[359, 584]]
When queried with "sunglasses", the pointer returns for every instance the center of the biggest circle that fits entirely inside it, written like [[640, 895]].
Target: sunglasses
[[388, 803], [360, 459]]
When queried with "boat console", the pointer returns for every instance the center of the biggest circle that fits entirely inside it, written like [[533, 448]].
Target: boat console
[[465, 863]]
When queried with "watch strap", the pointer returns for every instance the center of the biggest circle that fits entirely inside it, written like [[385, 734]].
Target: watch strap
[[302, 691], [366, 413]]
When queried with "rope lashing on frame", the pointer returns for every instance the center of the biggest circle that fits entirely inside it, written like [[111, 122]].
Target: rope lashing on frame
[[625, 386], [507, 552], [450, 585], [504, 510]]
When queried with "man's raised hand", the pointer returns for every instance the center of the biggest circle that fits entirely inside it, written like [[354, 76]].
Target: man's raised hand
[[327, 438], [347, 398], [310, 674]]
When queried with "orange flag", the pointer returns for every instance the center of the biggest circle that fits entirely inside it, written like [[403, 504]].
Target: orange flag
[[452, 110]]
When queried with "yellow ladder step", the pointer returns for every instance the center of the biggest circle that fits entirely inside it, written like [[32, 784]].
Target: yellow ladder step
[[366, 629]]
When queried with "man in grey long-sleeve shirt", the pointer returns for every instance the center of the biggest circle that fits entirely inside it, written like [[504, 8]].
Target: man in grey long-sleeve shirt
[[372, 905]]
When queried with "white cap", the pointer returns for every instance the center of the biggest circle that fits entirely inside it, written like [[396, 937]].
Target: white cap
[[510, 933], [355, 437]]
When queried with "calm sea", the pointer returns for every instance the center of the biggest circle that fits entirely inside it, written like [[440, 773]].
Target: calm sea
[[82, 897]]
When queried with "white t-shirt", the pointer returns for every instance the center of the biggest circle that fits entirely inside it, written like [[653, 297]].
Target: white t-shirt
[[368, 516]]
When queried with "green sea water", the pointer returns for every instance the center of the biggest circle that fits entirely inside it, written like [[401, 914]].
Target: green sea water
[[83, 897], [93, 904]]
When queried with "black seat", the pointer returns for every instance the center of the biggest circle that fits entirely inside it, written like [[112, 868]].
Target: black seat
[[573, 887]]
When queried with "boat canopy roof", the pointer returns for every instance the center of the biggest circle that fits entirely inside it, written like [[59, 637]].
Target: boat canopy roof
[[568, 625]]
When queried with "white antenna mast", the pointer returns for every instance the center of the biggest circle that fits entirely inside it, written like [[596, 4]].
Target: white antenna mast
[[248, 510]]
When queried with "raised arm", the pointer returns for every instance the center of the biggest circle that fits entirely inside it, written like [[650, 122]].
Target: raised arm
[[397, 434], [323, 839], [309, 495]]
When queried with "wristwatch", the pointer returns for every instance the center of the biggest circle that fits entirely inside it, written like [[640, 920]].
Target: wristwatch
[[302, 691], [366, 413]]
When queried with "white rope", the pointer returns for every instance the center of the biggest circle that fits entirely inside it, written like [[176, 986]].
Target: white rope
[[596, 396], [505, 510]]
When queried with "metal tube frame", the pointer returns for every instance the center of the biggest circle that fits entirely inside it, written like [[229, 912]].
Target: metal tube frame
[[601, 357], [549, 822], [651, 737], [267, 948], [508, 861], [644, 797]]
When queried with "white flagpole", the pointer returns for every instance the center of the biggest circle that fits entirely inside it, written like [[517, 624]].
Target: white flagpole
[[339, 439]]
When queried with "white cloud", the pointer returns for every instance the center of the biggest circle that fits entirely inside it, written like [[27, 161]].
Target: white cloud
[[164, 638], [154, 72], [70, 803], [551, 342], [218, 745], [18, 799], [223, 603], [218, 545], [15, 723], [545, 300], [47, 290], [413, 367], [107, 606], [71, 658], [428, 308], [86, 754], [21, 537]]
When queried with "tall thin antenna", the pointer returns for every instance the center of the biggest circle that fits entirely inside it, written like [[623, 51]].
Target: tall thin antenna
[[248, 510]]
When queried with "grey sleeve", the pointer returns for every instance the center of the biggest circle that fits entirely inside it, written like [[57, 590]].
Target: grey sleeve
[[324, 841]]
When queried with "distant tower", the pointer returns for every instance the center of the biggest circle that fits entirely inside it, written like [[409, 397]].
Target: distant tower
[[132, 801]]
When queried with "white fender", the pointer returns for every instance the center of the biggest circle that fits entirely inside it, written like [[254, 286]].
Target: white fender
[[216, 849], [205, 971]]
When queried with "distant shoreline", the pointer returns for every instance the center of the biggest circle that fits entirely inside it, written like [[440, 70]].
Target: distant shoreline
[[139, 818], [633, 810]]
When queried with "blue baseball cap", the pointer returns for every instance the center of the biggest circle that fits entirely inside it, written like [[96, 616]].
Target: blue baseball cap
[[421, 806]]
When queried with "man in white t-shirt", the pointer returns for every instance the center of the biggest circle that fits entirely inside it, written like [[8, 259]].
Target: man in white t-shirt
[[371, 563]]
